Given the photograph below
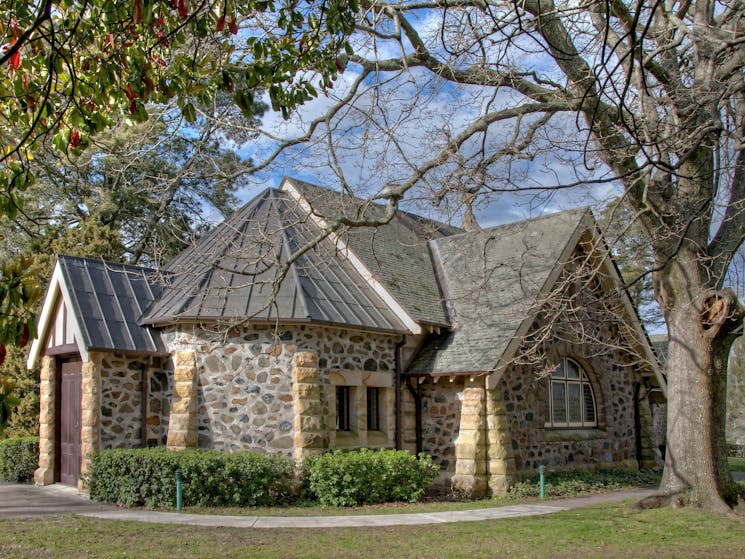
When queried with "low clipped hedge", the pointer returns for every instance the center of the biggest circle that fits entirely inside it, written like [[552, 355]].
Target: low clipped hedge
[[366, 477], [19, 457], [209, 478]]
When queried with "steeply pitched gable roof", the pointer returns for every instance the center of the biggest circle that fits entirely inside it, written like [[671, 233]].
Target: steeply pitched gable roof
[[232, 272], [493, 278], [106, 299], [396, 253]]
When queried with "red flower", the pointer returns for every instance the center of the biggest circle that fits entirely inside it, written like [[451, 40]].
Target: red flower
[[74, 143], [183, 10], [15, 60], [25, 333]]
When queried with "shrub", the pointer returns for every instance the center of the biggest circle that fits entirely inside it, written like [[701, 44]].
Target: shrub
[[209, 478], [736, 450], [569, 484], [19, 457], [364, 477]]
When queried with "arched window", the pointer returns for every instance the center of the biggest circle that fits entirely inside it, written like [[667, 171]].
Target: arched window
[[570, 401]]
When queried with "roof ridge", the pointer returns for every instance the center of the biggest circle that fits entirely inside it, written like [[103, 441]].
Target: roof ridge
[[100, 260], [376, 203], [583, 210], [293, 265]]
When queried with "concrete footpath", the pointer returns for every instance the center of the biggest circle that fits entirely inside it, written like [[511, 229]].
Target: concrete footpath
[[23, 501]]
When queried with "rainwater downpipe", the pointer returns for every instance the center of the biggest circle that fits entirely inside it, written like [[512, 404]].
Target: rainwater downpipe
[[398, 404]]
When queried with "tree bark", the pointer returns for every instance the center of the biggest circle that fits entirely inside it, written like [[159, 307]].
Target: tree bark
[[702, 325]]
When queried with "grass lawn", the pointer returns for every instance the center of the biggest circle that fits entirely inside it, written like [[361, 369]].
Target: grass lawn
[[608, 532], [736, 464]]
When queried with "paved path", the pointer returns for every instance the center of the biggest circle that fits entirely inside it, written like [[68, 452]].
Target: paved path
[[18, 501]]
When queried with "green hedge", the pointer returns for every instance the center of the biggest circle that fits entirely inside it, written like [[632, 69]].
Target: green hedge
[[19, 457], [736, 450], [363, 477], [210, 478]]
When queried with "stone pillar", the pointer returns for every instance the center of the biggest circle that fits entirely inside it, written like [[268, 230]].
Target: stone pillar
[[90, 423], [44, 474], [311, 433], [500, 456], [182, 424], [470, 446]]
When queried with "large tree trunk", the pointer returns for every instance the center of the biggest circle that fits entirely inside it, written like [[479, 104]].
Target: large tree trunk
[[702, 324]]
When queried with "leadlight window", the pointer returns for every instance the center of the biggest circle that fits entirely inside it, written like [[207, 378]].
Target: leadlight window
[[570, 401], [343, 419], [373, 409]]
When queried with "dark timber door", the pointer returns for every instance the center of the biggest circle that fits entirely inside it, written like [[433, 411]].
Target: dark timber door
[[70, 419]]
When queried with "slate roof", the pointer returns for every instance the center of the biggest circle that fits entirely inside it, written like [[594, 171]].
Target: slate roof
[[231, 272], [396, 253], [493, 277], [660, 345], [108, 300]]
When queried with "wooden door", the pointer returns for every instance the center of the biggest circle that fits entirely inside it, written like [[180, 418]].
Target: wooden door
[[70, 421]]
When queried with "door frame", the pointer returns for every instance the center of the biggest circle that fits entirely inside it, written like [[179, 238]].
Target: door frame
[[58, 415]]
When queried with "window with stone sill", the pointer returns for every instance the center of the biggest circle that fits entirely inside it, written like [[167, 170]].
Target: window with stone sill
[[343, 408], [570, 400], [373, 408]]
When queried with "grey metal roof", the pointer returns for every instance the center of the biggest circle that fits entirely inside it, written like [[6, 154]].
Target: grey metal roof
[[235, 272], [108, 299], [396, 253], [493, 278]]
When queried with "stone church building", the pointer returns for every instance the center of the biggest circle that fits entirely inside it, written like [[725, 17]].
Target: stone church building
[[495, 351]]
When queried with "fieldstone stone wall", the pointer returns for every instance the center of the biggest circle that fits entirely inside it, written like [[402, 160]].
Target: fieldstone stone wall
[[244, 378], [159, 395], [121, 401], [441, 408], [612, 443]]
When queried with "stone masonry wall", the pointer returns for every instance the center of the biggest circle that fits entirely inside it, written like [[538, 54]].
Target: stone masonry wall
[[121, 401], [441, 407], [612, 443], [245, 395], [159, 395]]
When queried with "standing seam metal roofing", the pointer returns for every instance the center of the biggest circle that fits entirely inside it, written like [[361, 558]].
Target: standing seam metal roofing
[[241, 270], [108, 300]]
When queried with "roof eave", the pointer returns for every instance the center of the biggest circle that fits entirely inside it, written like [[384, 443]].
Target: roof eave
[[57, 289], [235, 321]]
